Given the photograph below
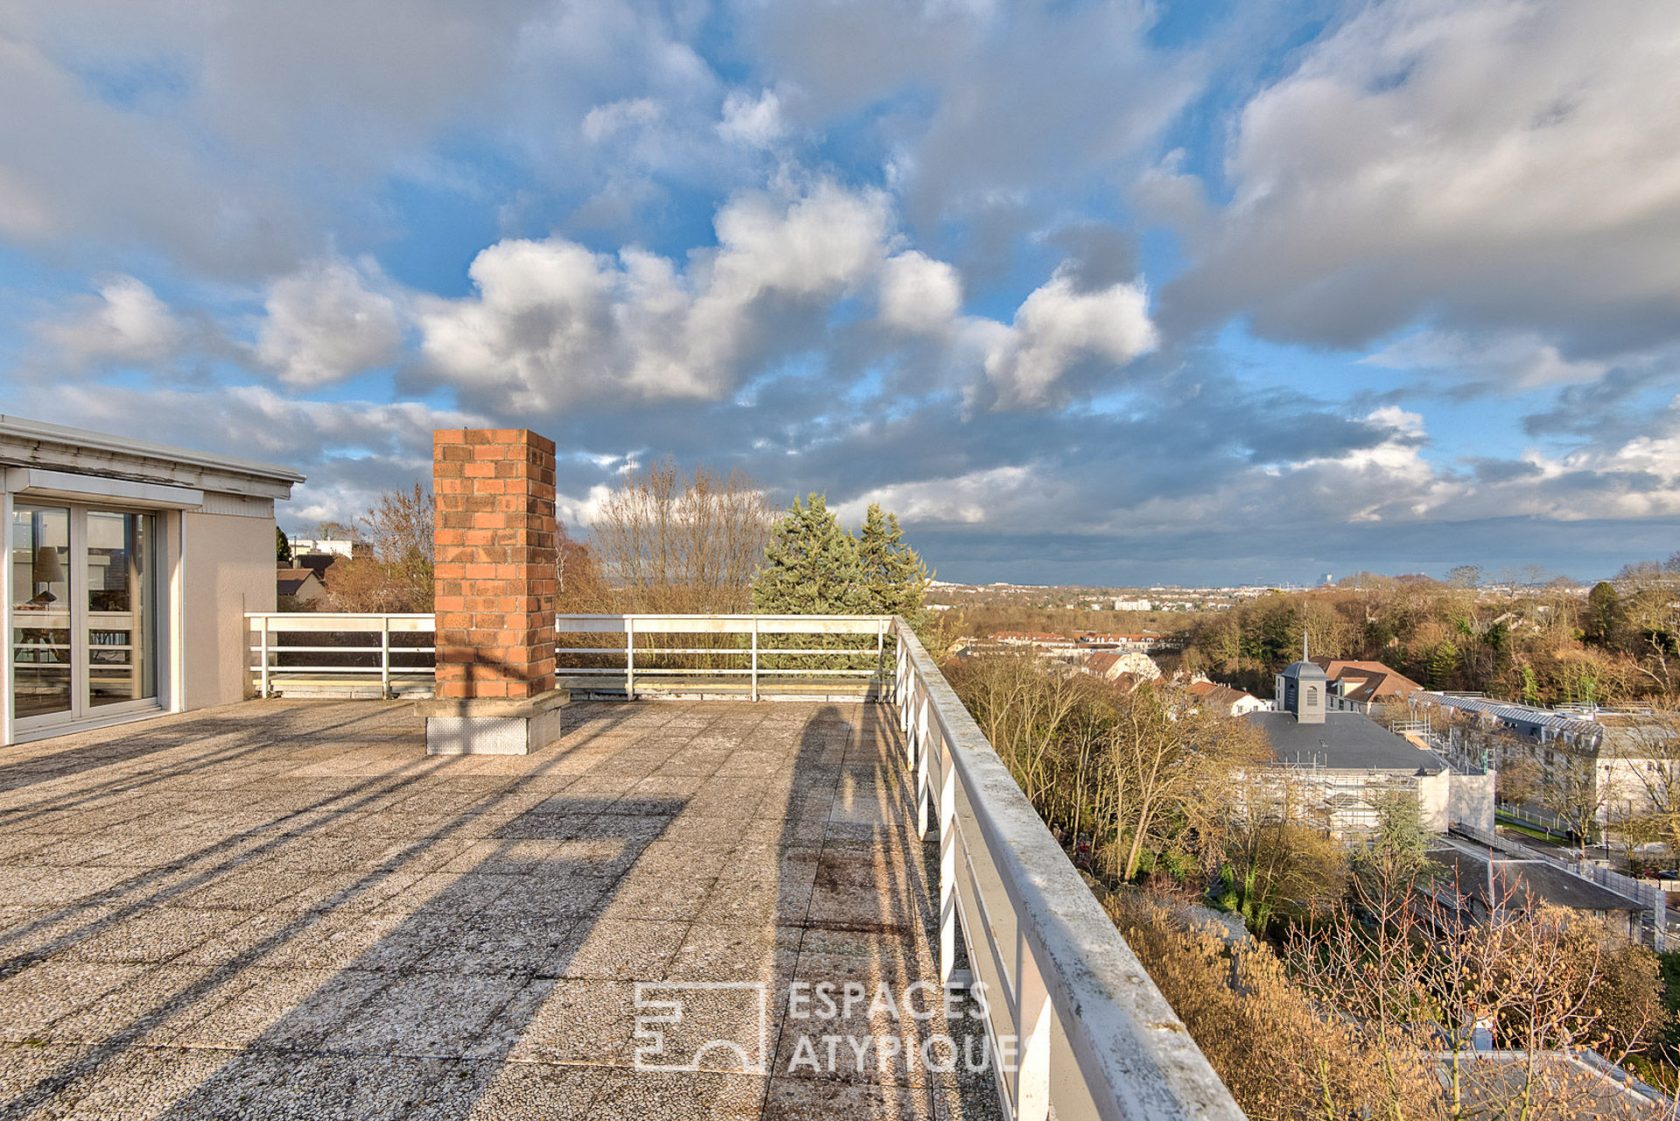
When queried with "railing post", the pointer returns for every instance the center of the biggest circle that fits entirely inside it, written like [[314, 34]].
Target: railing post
[[263, 671], [755, 657], [880, 659], [630, 657], [385, 656], [932, 742], [1032, 1076], [947, 868]]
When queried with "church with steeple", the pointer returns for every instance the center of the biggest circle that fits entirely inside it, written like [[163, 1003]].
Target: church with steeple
[[1351, 758]]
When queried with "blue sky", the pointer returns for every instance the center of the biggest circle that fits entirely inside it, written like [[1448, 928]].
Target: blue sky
[[1107, 293]]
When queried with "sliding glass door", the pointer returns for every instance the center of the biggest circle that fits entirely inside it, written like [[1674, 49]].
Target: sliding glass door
[[83, 614], [42, 628]]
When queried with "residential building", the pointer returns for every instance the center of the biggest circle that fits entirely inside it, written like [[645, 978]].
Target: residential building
[[1615, 764], [1237, 702], [1113, 665], [1364, 686], [332, 546], [130, 566], [298, 587], [1351, 761], [318, 563]]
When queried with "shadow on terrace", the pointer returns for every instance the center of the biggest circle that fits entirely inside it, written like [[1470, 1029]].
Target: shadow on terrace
[[284, 909]]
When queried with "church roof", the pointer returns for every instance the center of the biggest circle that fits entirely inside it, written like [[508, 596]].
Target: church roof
[[1345, 741], [1305, 671]]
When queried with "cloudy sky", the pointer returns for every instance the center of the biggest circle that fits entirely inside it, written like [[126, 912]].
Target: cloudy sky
[[1102, 292]]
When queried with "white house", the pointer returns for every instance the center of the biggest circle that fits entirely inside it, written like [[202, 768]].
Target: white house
[[1350, 760], [130, 566]]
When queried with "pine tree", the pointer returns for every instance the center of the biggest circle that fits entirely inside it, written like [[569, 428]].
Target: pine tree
[[1442, 665], [810, 566], [894, 577]]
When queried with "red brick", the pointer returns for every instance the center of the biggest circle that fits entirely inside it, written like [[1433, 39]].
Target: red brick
[[495, 585]]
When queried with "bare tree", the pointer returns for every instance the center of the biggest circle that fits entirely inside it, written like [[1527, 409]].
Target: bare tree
[[668, 541], [1574, 794], [395, 574], [1168, 758]]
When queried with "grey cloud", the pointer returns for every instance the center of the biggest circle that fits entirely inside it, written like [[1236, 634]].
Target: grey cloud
[[1474, 165], [1096, 254]]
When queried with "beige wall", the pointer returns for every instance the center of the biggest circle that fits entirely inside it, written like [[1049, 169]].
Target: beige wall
[[1434, 794], [227, 569], [1470, 801]]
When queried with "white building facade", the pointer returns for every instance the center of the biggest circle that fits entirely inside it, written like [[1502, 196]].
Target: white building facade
[[129, 568]]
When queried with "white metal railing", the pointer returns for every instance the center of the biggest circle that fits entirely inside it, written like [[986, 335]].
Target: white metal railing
[[744, 657], [1096, 1039], [349, 662]]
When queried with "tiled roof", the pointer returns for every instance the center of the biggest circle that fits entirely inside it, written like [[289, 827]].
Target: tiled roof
[[1368, 681]]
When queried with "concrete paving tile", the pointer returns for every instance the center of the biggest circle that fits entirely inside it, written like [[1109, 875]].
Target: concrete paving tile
[[57, 887], [733, 953], [285, 1086], [658, 892], [138, 1084], [574, 1021], [766, 900], [153, 936], [322, 1011], [798, 1099], [240, 1013], [329, 940], [28, 1071], [323, 835], [637, 1095], [35, 997], [423, 1015], [513, 1092], [146, 1008], [624, 949], [857, 1048], [253, 888]]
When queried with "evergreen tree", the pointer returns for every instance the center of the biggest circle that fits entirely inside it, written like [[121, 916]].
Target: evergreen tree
[[810, 566], [1443, 664], [282, 548], [1603, 614], [894, 577]]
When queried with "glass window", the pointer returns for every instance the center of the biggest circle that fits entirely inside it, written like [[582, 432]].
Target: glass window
[[121, 615], [41, 606]]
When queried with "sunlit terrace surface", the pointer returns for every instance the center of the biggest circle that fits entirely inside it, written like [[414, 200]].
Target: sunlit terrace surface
[[285, 909]]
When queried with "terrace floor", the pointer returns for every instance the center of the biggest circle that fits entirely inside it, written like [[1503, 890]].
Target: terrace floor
[[285, 909]]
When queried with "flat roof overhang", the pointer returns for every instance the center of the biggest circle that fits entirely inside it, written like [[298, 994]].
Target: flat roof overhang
[[33, 443]]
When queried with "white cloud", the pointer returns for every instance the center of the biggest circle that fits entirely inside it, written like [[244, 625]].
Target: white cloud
[[324, 324], [1058, 326], [553, 322], [604, 122], [986, 497], [126, 324], [919, 294], [755, 122]]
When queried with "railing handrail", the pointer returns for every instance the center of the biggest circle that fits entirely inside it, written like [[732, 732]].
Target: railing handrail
[[700, 623], [1135, 1058], [342, 615]]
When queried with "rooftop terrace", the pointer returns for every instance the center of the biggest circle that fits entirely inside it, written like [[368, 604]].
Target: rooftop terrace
[[285, 909]]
